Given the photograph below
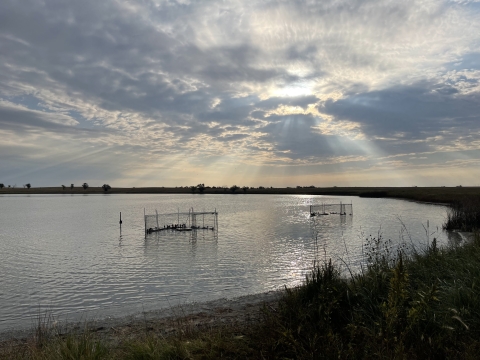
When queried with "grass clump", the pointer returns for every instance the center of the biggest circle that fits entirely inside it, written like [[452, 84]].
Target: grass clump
[[213, 344], [76, 346]]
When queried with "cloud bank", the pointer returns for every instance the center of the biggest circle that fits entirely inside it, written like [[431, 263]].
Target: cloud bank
[[167, 93]]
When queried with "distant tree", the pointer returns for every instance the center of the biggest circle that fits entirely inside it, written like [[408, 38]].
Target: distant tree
[[85, 186], [9, 186], [63, 187], [106, 187], [261, 187], [2, 186], [193, 188], [234, 188], [28, 186], [71, 186], [201, 187], [245, 188]]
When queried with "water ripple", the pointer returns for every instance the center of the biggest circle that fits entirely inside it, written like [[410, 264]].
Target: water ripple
[[70, 258]]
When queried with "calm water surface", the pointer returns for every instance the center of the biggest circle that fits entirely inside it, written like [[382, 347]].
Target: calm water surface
[[66, 254]]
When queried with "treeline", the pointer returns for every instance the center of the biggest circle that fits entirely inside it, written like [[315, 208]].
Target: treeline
[[27, 186]]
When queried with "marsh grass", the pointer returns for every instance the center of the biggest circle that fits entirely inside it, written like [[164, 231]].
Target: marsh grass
[[464, 215]]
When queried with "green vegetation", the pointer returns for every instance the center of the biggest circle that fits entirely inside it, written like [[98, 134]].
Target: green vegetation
[[423, 306]]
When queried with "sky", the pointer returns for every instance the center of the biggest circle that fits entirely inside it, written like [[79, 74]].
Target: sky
[[271, 93]]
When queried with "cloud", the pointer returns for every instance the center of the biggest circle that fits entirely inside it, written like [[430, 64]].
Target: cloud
[[408, 113], [266, 83]]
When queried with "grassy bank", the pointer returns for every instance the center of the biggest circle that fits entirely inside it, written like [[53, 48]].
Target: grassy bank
[[425, 194], [418, 306]]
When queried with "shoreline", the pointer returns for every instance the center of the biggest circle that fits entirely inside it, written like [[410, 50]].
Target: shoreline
[[165, 321]]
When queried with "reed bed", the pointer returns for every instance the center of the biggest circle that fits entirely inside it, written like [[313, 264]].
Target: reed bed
[[464, 215]]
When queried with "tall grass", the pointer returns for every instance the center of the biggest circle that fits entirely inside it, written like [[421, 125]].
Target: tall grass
[[464, 215], [423, 305]]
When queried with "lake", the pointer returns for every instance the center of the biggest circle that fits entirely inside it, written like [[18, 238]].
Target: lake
[[66, 254]]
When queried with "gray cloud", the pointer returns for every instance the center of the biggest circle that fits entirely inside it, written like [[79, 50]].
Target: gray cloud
[[416, 112]]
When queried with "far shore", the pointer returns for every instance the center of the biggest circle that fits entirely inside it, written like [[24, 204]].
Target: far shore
[[446, 195]]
